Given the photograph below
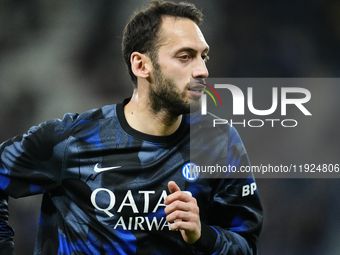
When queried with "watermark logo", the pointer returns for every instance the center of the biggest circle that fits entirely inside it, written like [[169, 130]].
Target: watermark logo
[[281, 99], [238, 100], [204, 97], [190, 171]]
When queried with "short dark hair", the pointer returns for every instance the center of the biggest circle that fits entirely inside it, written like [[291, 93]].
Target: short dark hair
[[142, 31]]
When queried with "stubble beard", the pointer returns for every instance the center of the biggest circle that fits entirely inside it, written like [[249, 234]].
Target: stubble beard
[[165, 97]]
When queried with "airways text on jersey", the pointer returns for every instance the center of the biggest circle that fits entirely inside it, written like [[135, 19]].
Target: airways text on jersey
[[135, 210]]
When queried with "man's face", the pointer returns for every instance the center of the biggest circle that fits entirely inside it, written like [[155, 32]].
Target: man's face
[[181, 56]]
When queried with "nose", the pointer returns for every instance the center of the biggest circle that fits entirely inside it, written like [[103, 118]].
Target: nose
[[200, 70]]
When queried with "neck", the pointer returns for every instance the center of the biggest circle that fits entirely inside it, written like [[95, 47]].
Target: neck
[[140, 116]]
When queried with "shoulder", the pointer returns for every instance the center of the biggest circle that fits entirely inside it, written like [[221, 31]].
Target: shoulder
[[60, 129], [88, 116], [209, 123], [205, 130], [75, 120]]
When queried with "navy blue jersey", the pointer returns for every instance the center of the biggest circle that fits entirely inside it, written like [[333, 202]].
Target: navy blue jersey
[[104, 186]]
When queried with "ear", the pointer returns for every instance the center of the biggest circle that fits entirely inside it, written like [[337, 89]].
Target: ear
[[140, 65]]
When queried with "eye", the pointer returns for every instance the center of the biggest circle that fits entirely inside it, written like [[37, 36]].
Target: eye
[[205, 58], [184, 57]]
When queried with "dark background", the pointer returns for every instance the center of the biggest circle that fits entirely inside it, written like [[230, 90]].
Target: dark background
[[64, 56]]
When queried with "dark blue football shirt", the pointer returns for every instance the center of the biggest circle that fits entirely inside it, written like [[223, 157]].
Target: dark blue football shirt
[[104, 186]]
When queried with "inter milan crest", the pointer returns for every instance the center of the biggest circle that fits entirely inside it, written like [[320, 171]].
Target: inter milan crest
[[190, 171]]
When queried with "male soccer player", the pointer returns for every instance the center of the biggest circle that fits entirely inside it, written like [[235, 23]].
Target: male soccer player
[[123, 179]]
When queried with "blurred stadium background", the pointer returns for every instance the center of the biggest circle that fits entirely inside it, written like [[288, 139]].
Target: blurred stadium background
[[64, 56]]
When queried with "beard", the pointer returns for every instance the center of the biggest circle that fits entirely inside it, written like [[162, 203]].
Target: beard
[[165, 96]]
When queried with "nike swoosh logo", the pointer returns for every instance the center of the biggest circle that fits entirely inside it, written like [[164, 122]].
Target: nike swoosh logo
[[98, 169]]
